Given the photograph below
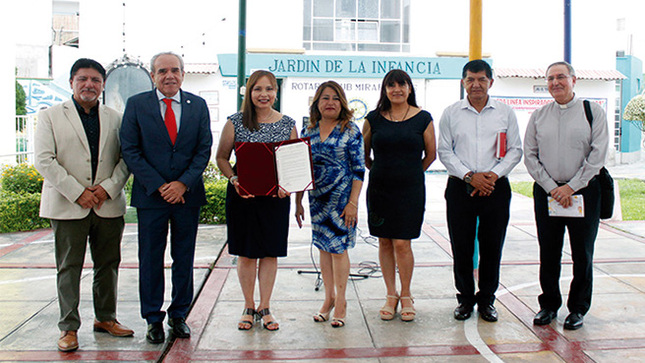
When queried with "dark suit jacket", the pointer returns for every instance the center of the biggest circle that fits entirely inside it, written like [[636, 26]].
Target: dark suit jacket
[[154, 160]]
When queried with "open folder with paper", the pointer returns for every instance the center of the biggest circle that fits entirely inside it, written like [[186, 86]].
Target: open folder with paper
[[262, 167]]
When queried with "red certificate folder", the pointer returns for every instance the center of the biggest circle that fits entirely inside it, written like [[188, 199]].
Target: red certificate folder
[[500, 149], [256, 166]]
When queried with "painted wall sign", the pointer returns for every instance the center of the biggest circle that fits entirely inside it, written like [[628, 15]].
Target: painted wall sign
[[292, 65], [533, 103]]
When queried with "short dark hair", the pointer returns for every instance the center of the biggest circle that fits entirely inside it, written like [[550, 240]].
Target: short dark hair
[[86, 63], [476, 66]]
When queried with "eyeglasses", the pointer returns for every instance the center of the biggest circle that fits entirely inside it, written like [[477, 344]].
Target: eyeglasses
[[559, 77]]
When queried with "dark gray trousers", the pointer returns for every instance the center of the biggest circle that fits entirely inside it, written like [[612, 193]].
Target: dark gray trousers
[[70, 242]]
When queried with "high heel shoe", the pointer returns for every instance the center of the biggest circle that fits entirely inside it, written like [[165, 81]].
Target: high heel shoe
[[321, 317], [246, 324], [270, 325], [408, 313], [339, 322], [387, 311]]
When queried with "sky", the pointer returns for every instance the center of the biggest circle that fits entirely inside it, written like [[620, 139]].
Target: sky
[[195, 26]]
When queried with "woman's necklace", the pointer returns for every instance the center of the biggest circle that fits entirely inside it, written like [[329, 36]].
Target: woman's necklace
[[404, 115], [266, 118]]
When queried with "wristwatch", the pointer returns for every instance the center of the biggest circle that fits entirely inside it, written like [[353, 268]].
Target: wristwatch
[[468, 178]]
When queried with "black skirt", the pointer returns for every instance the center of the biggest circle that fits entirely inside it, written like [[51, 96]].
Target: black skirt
[[257, 227]]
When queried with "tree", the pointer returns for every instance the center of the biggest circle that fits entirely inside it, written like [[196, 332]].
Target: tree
[[21, 100], [635, 112]]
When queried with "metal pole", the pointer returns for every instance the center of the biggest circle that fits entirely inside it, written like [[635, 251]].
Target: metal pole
[[567, 31], [475, 30], [475, 53], [241, 53]]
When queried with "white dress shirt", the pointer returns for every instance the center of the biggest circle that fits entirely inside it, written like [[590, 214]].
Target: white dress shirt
[[176, 106], [468, 139]]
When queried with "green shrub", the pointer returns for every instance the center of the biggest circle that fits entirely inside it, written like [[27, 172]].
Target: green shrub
[[19, 212], [21, 178], [214, 212]]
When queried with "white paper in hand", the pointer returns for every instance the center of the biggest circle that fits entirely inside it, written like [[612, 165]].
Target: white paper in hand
[[293, 166], [576, 210]]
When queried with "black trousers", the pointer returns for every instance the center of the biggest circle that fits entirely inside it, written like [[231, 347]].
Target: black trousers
[[582, 236], [462, 213]]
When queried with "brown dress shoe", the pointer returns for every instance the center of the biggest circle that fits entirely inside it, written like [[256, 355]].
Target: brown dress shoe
[[67, 341], [113, 327]]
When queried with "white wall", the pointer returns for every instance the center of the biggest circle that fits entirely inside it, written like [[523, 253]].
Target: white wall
[[273, 24], [7, 103], [31, 35]]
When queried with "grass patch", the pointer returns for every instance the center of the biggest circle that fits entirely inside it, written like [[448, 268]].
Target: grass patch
[[632, 196], [131, 215], [524, 188], [632, 199]]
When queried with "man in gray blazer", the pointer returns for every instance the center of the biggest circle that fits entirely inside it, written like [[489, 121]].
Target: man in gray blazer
[[79, 154]]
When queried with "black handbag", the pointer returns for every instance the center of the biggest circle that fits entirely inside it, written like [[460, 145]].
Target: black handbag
[[606, 181]]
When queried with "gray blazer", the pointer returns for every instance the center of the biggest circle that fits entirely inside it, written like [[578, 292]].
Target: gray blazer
[[63, 158]]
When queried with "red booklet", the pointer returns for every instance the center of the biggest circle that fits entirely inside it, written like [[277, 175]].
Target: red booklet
[[262, 167], [500, 150]]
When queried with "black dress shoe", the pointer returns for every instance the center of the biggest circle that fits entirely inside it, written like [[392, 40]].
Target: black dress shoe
[[544, 317], [155, 333], [573, 321], [179, 327], [463, 311], [488, 312]]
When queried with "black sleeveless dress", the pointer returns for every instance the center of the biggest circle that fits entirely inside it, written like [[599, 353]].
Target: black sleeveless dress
[[396, 188], [258, 227]]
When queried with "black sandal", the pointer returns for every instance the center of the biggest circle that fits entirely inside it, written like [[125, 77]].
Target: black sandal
[[264, 312], [247, 311]]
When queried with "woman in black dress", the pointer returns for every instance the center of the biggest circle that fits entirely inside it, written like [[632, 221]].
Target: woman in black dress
[[399, 147], [257, 226]]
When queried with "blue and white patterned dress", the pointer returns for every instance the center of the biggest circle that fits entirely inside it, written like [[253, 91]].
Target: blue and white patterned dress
[[338, 161], [258, 227]]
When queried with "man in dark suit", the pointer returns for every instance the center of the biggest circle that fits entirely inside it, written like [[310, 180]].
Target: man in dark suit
[[166, 142]]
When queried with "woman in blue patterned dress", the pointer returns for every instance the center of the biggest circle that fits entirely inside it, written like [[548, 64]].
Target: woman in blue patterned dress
[[339, 167], [257, 226]]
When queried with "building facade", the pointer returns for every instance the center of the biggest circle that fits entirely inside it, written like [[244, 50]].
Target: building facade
[[355, 42]]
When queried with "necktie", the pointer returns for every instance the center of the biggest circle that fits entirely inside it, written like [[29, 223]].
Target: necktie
[[169, 120]]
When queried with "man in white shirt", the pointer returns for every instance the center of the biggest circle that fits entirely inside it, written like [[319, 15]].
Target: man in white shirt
[[478, 162], [563, 152]]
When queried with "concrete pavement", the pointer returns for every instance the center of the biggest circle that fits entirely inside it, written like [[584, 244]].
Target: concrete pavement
[[614, 327]]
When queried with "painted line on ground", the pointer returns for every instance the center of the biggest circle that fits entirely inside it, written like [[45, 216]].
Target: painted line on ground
[[79, 355], [31, 238], [474, 338], [553, 341], [183, 350]]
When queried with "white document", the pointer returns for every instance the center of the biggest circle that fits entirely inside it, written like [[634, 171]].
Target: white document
[[293, 164], [576, 210]]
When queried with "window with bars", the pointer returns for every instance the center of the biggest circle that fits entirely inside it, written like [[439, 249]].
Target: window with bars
[[618, 115], [357, 25]]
